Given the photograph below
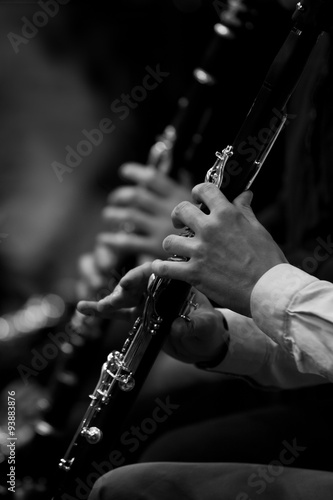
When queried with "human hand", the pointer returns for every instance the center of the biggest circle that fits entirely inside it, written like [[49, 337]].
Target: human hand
[[229, 252], [139, 216], [126, 297], [97, 273], [198, 340]]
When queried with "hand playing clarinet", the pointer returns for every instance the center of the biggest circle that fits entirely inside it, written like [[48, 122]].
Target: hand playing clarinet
[[137, 219]]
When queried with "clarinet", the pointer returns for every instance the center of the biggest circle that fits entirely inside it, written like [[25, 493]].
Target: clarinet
[[235, 168], [179, 144], [174, 148]]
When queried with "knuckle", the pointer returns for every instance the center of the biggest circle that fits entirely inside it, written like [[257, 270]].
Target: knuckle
[[198, 188], [200, 254], [195, 276], [180, 208], [204, 187], [162, 268], [225, 212]]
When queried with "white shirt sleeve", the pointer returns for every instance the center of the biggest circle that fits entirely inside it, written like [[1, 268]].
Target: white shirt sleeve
[[289, 341], [296, 311], [253, 356]]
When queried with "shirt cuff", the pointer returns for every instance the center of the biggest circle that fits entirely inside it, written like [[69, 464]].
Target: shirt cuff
[[271, 297], [249, 349]]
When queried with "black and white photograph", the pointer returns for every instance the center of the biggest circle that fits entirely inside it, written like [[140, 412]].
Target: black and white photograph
[[166, 250]]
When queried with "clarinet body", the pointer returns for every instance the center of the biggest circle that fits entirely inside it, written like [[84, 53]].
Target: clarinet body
[[174, 149], [234, 170], [177, 147]]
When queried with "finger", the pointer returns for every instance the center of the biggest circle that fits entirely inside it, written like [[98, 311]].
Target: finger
[[209, 195], [187, 214], [87, 307], [135, 172], [135, 196], [105, 258], [180, 329], [127, 243], [149, 177], [89, 271], [183, 329], [115, 301], [178, 245], [244, 199], [172, 270], [130, 289], [118, 217], [93, 309], [243, 202], [137, 278]]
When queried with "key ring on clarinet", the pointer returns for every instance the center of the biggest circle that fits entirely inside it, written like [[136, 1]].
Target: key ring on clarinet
[[188, 306]]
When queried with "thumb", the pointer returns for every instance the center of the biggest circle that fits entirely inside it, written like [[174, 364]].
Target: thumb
[[173, 343], [243, 203], [181, 328]]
